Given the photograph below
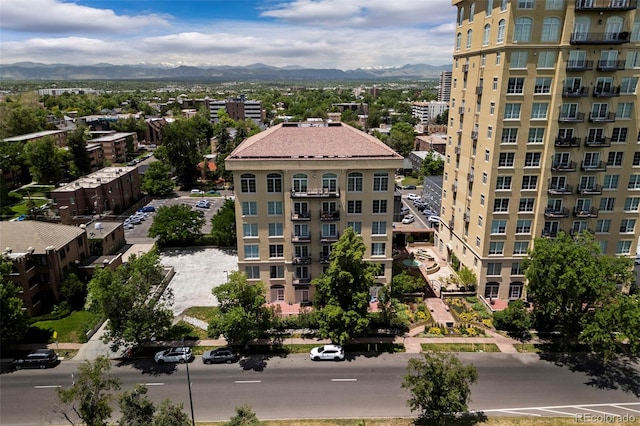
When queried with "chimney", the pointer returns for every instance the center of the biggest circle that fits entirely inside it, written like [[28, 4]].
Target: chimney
[[65, 215]]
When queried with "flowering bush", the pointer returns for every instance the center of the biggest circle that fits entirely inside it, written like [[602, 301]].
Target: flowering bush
[[435, 330], [487, 323]]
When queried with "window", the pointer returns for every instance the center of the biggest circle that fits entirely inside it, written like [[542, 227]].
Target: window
[[503, 183], [249, 208], [477, 241], [489, 132], [380, 181], [515, 86], [495, 83], [503, 5], [529, 182], [523, 226], [378, 249], [458, 41], [516, 268], [302, 272], [522, 30], [546, 59], [460, 15], [247, 182], [496, 247], [276, 230], [253, 272], [501, 28], [526, 205], [512, 111], [356, 226], [354, 182], [554, 4], [354, 207], [300, 182], [276, 271], [330, 182], [276, 250], [301, 230], [633, 59], [629, 85], [539, 111], [483, 61], [480, 221], [623, 247], [499, 227], [606, 204], [543, 85], [634, 182], [610, 182], [619, 135], [492, 108], [603, 226], [489, 9], [484, 177], [615, 159], [379, 206], [632, 204], [624, 110], [494, 268], [518, 59], [251, 251], [525, 4], [520, 247], [274, 208], [509, 135], [249, 230], [274, 182], [536, 135], [506, 159], [379, 228], [532, 159], [472, 11], [469, 39], [482, 199], [486, 34], [501, 205], [627, 226], [550, 29]]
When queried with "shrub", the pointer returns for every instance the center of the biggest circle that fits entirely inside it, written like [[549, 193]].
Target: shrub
[[435, 331], [487, 323], [471, 299]]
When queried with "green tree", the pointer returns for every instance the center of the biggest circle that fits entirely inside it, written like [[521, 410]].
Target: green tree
[[131, 124], [135, 407], [184, 142], [73, 291], [77, 144], [128, 299], [242, 315], [515, 320], [46, 161], [12, 162], [170, 414], [440, 386], [157, 179], [244, 417], [13, 318], [176, 224], [223, 225], [21, 116], [405, 283], [432, 165], [89, 397], [402, 138], [443, 118], [342, 293]]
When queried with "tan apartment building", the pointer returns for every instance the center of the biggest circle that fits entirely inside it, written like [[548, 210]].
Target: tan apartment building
[[114, 145], [543, 132], [298, 187]]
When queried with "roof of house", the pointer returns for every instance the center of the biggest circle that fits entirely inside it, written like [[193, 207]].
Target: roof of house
[[97, 178], [112, 137], [22, 236], [34, 135], [312, 141]]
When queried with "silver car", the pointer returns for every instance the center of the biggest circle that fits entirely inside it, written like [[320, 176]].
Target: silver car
[[181, 355]]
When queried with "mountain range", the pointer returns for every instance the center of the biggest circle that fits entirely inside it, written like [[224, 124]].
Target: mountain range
[[255, 72]]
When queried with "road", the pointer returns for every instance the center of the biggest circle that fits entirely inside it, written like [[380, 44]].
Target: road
[[362, 387]]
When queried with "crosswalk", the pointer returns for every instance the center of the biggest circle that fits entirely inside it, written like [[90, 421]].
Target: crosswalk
[[622, 412]]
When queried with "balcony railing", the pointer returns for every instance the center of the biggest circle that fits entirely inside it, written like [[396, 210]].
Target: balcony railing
[[560, 189], [301, 216], [454, 187], [470, 177], [301, 281], [474, 136], [606, 92], [301, 238], [465, 68], [302, 260], [575, 92], [567, 142], [606, 65], [550, 233], [605, 5], [324, 259], [457, 149], [590, 189], [609, 117], [576, 117], [461, 110], [593, 166], [579, 65], [563, 166], [478, 90], [329, 237], [551, 212], [585, 213], [329, 215], [466, 217], [601, 38], [316, 193], [597, 142]]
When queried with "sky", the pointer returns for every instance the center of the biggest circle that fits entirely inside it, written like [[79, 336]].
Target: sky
[[343, 34]]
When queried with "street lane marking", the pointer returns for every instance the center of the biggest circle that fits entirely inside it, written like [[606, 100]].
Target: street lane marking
[[625, 408], [522, 413], [560, 412], [597, 411], [154, 384], [247, 381], [47, 386], [344, 380]]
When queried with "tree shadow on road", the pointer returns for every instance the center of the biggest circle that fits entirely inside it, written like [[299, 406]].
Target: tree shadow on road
[[620, 373], [147, 366]]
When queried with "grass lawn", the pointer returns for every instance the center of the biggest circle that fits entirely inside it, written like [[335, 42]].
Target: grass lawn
[[408, 180], [70, 329], [460, 347], [21, 207], [203, 313]]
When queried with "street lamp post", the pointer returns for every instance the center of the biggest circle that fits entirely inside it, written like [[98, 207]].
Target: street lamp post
[[193, 419], [227, 272]]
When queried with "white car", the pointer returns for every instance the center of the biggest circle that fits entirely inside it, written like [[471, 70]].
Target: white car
[[408, 219], [181, 355], [330, 352], [196, 192], [435, 219], [413, 196]]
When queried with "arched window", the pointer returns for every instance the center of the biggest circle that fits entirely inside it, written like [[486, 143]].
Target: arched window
[[472, 11], [300, 182], [458, 41], [460, 15], [354, 182], [469, 38], [550, 29], [515, 290], [489, 10], [486, 34], [581, 28], [501, 27], [522, 31], [503, 5], [247, 182], [381, 181], [274, 182], [330, 182]]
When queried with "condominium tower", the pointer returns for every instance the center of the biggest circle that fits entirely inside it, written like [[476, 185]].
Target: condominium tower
[[543, 132], [298, 187]]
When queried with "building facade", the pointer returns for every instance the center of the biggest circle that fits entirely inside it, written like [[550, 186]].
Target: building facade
[[298, 187], [428, 111], [238, 109], [444, 87], [543, 133]]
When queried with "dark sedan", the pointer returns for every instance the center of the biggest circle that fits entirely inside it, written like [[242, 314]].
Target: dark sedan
[[40, 358], [219, 356]]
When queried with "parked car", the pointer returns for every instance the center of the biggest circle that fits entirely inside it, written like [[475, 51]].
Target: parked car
[[331, 352], [204, 204], [219, 356], [197, 192], [404, 210], [213, 192], [40, 358], [413, 196], [147, 209], [181, 355], [434, 219], [408, 219], [409, 187]]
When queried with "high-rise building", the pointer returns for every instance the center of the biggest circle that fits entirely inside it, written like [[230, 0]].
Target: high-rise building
[[543, 133], [298, 187], [444, 87], [427, 112]]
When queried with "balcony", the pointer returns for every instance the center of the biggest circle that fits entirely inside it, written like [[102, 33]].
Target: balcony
[[457, 149], [316, 193], [451, 223], [461, 110], [593, 166], [479, 90], [330, 215], [608, 117], [575, 92], [567, 142], [560, 189], [466, 217], [610, 65], [605, 5], [585, 212], [301, 216], [329, 238], [301, 281], [474, 136], [300, 238], [465, 68], [302, 260], [601, 38], [454, 187], [563, 166], [590, 189], [324, 259], [576, 117], [550, 233], [551, 212], [579, 65], [469, 177], [606, 92], [597, 142]]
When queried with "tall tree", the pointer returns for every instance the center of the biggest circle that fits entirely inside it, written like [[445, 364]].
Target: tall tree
[[402, 138], [170, 414], [157, 179], [77, 144], [342, 293], [440, 386], [184, 143], [89, 397], [73, 291], [176, 224], [515, 320], [136, 408], [21, 116], [242, 314], [13, 318], [46, 161], [223, 225], [432, 165]]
